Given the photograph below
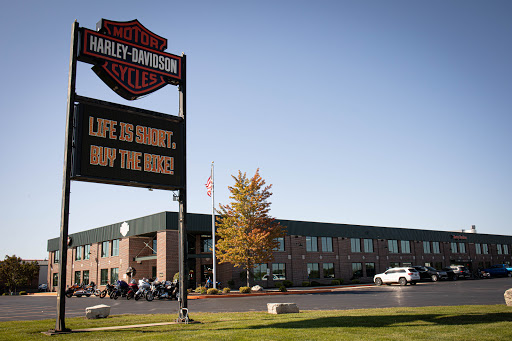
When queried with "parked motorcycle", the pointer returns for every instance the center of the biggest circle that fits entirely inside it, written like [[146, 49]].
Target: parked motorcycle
[[71, 290], [87, 290], [120, 290], [132, 289], [109, 289], [144, 288], [165, 289]]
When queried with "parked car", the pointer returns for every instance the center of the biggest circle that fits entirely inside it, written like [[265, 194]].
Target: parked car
[[499, 270], [401, 276], [428, 272], [461, 271], [451, 275]]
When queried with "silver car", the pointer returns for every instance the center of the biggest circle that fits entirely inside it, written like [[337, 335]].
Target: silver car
[[401, 276]]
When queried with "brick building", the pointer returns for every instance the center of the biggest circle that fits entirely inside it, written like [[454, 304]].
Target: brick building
[[310, 251]]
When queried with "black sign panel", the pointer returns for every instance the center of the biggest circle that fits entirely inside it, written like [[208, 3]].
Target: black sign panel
[[126, 146], [129, 58]]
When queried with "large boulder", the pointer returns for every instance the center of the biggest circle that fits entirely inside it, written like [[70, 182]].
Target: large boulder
[[282, 308], [97, 311], [257, 288], [508, 297]]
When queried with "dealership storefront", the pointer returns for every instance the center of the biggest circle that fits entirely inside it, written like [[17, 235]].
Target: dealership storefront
[[309, 251]]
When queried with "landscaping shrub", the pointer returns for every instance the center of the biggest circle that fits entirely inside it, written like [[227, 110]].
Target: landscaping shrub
[[245, 290], [356, 281], [212, 291], [23, 292], [201, 290], [335, 282], [282, 288], [226, 290], [189, 290], [287, 283], [305, 284], [339, 279]]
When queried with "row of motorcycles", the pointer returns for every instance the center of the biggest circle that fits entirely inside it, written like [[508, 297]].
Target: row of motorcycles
[[142, 289]]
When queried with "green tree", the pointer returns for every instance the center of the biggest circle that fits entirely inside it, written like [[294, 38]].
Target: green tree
[[247, 233], [15, 272]]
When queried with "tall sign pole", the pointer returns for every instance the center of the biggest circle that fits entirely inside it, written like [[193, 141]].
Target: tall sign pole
[[182, 227], [60, 324]]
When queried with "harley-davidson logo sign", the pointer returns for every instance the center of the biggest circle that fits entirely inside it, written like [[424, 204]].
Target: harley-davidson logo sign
[[129, 58]]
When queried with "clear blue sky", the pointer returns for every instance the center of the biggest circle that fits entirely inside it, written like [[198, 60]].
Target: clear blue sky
[[387, 113]]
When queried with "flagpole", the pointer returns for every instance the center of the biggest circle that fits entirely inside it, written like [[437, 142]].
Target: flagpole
[[214, 260]]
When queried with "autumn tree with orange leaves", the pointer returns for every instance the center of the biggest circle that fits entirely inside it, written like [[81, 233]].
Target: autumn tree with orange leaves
[[247, 233]]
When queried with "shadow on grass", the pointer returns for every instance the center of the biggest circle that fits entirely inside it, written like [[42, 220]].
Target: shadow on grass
[[377, 321]]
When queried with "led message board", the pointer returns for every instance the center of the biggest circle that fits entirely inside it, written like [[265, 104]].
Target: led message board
[[126, 146]]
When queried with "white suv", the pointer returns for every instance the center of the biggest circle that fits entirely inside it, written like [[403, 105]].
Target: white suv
[[401, 276]]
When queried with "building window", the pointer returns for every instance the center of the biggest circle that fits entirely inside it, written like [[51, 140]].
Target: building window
[[405, 246], [355, 244], [154, 246], [357, 270], [104, 277], [311, 244], [56, 257], [499, 249], [435, 247], [426, 247], [77, 277], [114, 275], [115, 247], [328, 270], [78, 253], [505, 249], [438, 265], [462, 248], [86, 277], [478, 249], [206, 244], [453, 247], [327, 244], [313, 270], [279, 271], [394, 264], [280, 247], [87, 251], [104, 249], [153, 272], [485, 249], [370, 269], [55, 281], [368, 245], [393, 246], [259, 271]]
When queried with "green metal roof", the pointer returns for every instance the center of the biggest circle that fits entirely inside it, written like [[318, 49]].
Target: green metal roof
[[201, 223]]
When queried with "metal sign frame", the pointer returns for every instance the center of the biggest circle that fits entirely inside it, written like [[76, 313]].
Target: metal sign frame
[[72, 99]]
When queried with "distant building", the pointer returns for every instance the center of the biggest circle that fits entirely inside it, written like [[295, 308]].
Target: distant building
[[310, 251]]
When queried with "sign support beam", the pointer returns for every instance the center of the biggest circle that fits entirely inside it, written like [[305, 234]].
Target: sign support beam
[[182, 226], [60, 324]]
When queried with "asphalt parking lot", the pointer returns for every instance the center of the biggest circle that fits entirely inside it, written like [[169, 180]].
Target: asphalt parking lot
[[463, 292]]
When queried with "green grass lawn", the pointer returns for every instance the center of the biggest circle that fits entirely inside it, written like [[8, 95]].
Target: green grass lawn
[[492, 322]]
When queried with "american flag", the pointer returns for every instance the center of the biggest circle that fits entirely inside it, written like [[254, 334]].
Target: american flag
[[209, 186]]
